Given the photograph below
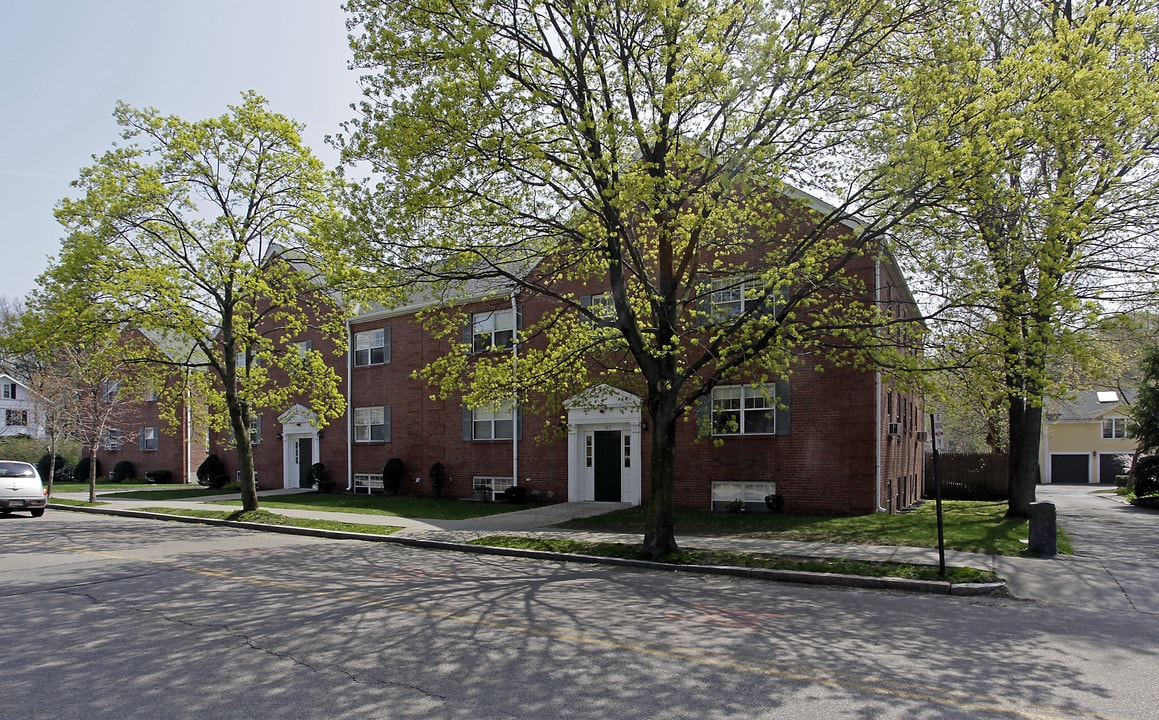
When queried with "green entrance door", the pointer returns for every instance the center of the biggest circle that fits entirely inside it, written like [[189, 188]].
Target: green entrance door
[[607, 465]]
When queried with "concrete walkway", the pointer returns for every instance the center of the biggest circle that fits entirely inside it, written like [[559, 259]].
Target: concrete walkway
[[1088, 579]]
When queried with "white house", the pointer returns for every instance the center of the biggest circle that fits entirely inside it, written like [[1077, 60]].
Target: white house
[[20, 413]]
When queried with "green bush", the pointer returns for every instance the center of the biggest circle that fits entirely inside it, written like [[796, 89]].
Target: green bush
[[1147, 476], [438, 478], [80, 473], [62, 469], [320, 476], [159, 476], [516, 494], [211, 472], [392, 474], [122, 471]]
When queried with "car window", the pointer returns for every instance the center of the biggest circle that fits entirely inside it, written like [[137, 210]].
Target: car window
[[15, 469]]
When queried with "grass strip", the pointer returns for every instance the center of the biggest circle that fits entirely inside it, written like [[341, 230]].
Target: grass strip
[[768, 561], [268, 518], [408, 506], [970, 526]]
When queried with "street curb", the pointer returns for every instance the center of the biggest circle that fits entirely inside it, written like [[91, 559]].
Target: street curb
[[939, 587]]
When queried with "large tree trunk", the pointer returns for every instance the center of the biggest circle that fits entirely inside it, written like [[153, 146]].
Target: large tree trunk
[[239, 423], [659, 531], [1025, 435]]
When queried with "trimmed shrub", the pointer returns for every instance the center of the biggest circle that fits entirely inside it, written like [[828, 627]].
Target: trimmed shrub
[[80, 473], [63, 471], [392, 474], [516, 494], [320, 476], [1147, 476], [211, 472], [124, 470], [159, 476], [438, 478]]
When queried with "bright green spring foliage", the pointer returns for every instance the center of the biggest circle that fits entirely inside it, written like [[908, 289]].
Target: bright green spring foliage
[[211, 236], [1144, 425], [635, 162], [1043, 118]]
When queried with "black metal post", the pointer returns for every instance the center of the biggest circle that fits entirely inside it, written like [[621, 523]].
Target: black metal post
[[938, 501]]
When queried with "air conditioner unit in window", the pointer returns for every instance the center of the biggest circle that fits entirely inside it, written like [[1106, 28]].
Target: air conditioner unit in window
[[895, 428]]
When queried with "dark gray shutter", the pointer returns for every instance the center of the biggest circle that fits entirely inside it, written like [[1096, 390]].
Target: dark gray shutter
[[704, 304], [704, 416], [468, 423], [469, 334], [386, 345], [518, 423], [386, 423], [141, 439], [782, 413]]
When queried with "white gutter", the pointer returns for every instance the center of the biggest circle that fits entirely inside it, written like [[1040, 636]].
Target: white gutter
[[349, 410], [514, 388], [877, 402]]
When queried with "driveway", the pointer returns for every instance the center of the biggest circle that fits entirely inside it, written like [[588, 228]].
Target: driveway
[[1103, 528], [1116, 561]]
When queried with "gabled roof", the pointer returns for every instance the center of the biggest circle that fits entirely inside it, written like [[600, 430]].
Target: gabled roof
[[1091, 405]]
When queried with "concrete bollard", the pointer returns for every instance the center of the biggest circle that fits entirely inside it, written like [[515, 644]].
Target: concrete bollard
[[1043, 529]]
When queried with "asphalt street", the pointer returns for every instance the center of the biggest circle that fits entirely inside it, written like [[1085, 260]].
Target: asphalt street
[[123, 618]]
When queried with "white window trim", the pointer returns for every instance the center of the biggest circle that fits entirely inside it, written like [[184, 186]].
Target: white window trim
[[493, 330], [744, 395], [490, 418], [365, 419], [366, 342], [1117, 425]]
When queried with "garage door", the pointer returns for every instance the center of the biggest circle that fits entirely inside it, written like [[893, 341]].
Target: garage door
[[1070, 468], [1112, 464]]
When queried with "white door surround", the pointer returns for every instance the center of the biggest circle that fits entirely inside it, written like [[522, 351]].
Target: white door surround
[[297, 424], [603, 408]]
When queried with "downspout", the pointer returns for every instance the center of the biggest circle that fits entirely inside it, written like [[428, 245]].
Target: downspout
[[515, 429], [877, 401], [349, 413], [188, 439]]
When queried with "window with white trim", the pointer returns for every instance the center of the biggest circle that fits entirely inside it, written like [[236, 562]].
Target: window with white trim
[[493, 330], [1114, 428], [372, 424], [16, 418], [255, 429], [744, 410], [9, 391], [493, 423], [372, 347], [149, 438]]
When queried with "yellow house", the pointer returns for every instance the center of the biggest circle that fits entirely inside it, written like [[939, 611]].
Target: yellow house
[[1085, 438]]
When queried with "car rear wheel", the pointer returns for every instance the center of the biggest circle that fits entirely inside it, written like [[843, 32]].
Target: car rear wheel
[[37, 512]]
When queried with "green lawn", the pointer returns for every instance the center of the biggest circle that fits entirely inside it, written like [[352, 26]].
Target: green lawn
[[268, 518], [408, 506], [969, 526], [167, 493], [748, 560], [102, 486]]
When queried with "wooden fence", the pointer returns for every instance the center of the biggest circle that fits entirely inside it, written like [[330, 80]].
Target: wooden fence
[[969, 476]]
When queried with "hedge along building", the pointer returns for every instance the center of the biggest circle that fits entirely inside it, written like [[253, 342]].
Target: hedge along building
[[830, 437]]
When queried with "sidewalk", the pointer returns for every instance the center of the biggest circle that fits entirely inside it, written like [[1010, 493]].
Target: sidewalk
[[1066, 580]]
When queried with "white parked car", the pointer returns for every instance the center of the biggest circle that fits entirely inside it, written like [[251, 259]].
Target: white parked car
[[21, 489]]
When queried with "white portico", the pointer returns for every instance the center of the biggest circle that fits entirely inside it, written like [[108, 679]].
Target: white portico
[[299, 445], [603, 446]]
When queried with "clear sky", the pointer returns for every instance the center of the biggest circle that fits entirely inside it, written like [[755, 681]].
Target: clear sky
[[65, 63]]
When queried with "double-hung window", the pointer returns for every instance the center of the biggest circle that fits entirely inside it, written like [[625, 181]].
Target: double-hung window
[[493, 423], [744, 410], [9, 391], [149, 437], [372, 424], [372, 347], [16, 418], [109, 390], [493, 330], [1114, 428]]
